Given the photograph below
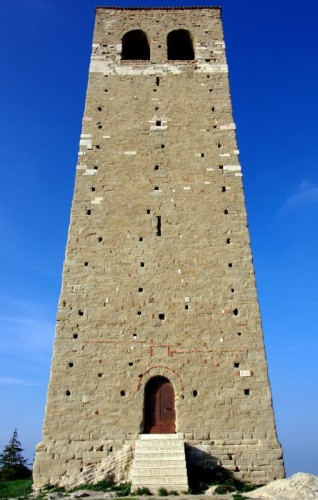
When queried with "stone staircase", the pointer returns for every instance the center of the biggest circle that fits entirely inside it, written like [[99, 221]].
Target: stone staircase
[[160, 463]]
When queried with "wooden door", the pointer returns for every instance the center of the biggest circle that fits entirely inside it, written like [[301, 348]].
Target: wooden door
[[160, 416]]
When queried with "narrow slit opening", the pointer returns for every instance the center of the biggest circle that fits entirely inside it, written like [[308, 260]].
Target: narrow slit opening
[[158, 225]]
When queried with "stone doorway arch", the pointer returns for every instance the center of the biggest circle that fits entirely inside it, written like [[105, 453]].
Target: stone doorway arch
[[159, 407]]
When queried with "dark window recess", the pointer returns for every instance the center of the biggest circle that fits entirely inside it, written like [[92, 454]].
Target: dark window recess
[[100, 375], [148, 211], [139, 313], [75, 335], [246, 392], [122, 393], [141, 238], [230, 264], [135, 46], [228, 241], [71, 365], [142, 264], [93, 189], [156, 188], [235, 312], [180, 46], [99, 239], [96, 167], [88, 212], [239, 334], [194, 393], [161, 316], [213, 109], [68, 393], [162, 146], [223, 189], [220, 167], [157, 81], [156, 167], [130, 363], [226, 212], [186, 307], [80, 312], [85, 264], [140, 290], [158, 123], [202, 155], [232, 290], [158, 225], [236, 365], [99, 108]]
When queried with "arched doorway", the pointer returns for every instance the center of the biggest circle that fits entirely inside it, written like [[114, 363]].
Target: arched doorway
[[135, 46], [160, 415], [180, 45]]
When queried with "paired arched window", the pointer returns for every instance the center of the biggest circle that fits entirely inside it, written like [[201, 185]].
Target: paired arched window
[[135, 45], [180, 46]]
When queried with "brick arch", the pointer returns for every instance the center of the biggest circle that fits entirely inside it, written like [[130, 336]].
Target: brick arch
[[135, 46], [180, 45], [161, 371]]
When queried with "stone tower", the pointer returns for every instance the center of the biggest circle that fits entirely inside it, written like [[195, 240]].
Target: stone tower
[[158, 325]]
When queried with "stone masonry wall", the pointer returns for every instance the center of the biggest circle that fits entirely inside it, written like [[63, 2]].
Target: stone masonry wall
[[158, 276]]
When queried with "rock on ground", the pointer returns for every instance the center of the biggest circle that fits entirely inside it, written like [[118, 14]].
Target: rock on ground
[[300, 486]]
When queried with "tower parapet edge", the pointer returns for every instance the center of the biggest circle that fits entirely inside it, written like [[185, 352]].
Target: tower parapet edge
[[158, 281]]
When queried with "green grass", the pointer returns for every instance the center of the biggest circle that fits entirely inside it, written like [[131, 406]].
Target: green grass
[[15, 489]]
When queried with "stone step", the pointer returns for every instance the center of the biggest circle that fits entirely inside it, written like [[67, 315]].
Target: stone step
[[160, 462], [152, 446], [161, 437], [163, 471], [165, 481]]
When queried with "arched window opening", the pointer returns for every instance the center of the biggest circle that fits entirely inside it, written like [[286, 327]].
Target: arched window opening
[[180, 46], [135, 46], [160, 415]]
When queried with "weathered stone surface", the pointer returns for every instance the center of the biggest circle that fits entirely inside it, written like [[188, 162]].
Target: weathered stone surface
[[158, 277], [302, 486]]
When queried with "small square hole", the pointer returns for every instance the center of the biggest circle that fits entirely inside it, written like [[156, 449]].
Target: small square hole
[[161, 316], [142, 264], [246, 392]]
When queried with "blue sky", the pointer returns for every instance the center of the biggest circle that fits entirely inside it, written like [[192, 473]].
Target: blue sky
[[272, 50]]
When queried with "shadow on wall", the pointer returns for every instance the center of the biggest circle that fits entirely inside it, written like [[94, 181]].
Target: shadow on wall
[[204, 471]]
